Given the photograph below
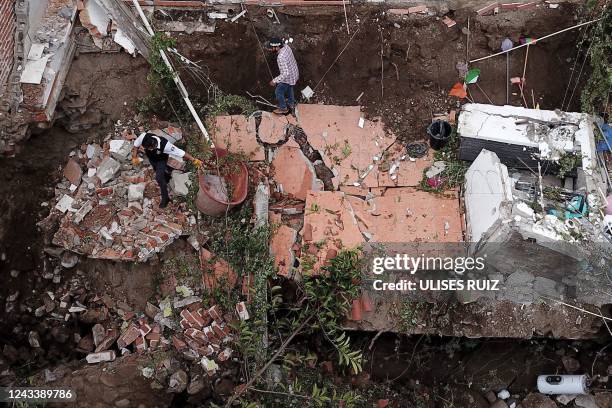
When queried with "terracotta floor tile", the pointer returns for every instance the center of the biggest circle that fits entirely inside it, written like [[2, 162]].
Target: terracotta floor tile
[[281, 248], [272, 128], [294, 172], [236, 133]]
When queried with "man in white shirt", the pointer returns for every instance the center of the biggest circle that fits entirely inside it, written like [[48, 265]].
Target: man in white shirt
[[158, 149]]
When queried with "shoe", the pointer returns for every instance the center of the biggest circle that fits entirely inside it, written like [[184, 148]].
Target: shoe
[[281, 111], [164, 202]]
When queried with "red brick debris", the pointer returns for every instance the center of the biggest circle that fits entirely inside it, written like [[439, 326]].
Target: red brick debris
[[109, 208]]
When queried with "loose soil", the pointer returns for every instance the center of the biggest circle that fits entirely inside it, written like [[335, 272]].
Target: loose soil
[[424, 51]]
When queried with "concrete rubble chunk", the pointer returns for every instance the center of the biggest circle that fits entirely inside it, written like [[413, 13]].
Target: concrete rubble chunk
[[107, 169], [120, 149], [82, 212], [69, 260], [98, 333], [109, 339], [272, 128], [65, 203], [34, 339], [136, 192], [73, 172], [178, 382], [93, 150], [101, 357], [294, 173], [180, 183]]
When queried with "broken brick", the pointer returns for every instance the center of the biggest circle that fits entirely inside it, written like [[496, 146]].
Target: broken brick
[[128, 336], [153, 339], [197, 335], [186, 314], [109, 339], [178, 344], [366, 303], [242, 311], [73, 172], [217, 329], [141, 344], [214, 313], [225, 355]]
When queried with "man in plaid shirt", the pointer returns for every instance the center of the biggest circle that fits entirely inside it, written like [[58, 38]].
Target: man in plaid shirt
[[289, 75]]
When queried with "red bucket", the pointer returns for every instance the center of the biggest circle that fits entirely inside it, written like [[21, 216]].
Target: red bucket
[[213, 195]]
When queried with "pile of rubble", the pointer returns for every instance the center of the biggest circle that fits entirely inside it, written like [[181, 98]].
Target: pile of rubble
[[109, 208], [200, 334]]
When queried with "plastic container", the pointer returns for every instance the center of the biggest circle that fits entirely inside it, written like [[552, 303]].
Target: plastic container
[[562, 384], [439, 132], [213, 193]]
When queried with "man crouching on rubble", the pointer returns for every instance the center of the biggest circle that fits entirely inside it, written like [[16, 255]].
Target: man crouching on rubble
[[158, 149], [289, 75]]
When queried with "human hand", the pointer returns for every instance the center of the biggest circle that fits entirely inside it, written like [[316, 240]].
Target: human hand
[[135, 161], [272, 83]]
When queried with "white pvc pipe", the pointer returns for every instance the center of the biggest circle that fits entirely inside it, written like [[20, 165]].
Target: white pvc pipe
[[175, 77], [534, 41]]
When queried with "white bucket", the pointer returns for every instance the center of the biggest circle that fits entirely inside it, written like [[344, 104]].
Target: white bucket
[[562, 384]]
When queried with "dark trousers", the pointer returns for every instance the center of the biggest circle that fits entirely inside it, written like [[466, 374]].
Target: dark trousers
[[284, 95], [162, 175]]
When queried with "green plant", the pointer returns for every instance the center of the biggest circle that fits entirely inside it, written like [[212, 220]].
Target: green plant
[[453, 174], [409, 315], [567, 163], [595, 94]]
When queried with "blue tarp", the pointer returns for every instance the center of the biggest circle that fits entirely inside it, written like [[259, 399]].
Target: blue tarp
[[607, 131]]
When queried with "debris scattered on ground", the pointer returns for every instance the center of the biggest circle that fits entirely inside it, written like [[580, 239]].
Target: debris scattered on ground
[[109, 209]]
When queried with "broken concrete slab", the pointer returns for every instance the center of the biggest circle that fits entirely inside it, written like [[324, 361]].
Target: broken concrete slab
[[136, 192], [272, 128], [351, 152], [107, 169], [101, 357], [65, 203], [120, 149], [294, 174], [416, 216], [237, 134], [180, 182], [329, 223]]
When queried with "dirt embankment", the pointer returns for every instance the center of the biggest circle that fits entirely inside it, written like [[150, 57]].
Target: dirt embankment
[[114, 82], [418, 65]]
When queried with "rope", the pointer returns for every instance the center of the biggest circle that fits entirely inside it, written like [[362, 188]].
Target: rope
[[535, 41]]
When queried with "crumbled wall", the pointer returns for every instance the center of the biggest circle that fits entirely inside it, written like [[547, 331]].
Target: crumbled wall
[[7, 41]]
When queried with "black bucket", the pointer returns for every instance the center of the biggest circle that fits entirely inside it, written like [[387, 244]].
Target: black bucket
[[439, 132]]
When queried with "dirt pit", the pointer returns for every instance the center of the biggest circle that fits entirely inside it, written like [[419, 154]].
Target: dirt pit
[[410, 81]]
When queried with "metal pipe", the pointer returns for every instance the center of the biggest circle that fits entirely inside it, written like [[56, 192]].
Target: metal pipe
[[175, 76]]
